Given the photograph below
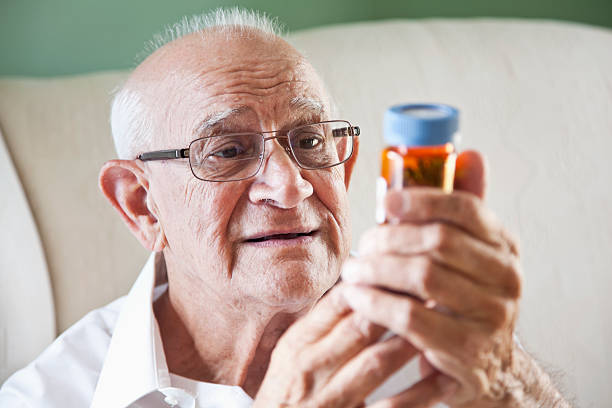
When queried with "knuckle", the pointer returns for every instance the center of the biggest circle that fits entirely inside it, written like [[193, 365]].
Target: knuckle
[[359, 327], [428, 206], [317, 361], [303, 385], [502, 313], [407, 318], [513, 242], [429, 276], [373, 364], [518, 278], [465, 204], [513, 282], [440, 236]]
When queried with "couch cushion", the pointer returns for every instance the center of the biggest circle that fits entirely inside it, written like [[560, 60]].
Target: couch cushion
[[27, 320], [58, 133]]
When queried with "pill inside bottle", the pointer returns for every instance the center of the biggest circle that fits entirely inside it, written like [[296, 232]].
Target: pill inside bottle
[[420, 149]]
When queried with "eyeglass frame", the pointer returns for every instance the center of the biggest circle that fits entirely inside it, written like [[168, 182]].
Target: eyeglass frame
[[171, 154]]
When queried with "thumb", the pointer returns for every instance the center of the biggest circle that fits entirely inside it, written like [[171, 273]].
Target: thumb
[[471, 173]]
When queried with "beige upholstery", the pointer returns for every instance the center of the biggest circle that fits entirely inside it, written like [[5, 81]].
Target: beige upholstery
[[24, 280], [535, 96], [58, 134]]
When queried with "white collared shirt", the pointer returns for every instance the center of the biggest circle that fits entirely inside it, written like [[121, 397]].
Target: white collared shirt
[[114, 358]]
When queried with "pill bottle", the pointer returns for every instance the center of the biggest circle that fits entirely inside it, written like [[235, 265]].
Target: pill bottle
[[420, 150]]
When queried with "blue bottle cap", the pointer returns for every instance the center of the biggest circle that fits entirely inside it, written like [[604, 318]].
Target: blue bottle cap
[[421, 125]]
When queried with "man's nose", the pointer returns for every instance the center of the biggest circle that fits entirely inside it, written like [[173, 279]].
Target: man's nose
[[279, 180]]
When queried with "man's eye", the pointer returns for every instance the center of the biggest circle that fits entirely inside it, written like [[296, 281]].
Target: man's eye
[[228, 152], [310, 141]]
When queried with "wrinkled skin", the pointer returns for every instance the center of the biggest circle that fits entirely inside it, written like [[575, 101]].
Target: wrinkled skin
[[461, 270], [444, 276], [229, 300], [228, 297]]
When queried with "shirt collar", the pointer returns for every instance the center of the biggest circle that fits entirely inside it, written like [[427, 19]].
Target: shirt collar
[[134, 366]]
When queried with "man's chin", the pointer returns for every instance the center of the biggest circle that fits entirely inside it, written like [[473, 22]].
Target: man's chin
[[291, 283]]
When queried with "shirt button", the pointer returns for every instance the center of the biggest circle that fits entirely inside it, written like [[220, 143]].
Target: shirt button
[[177, 398]]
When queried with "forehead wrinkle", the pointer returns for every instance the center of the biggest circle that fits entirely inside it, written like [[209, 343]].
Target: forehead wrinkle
[[216, 118], [263, 75], [253, 90], [257, 68]]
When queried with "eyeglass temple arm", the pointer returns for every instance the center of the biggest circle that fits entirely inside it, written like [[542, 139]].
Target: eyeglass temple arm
[[165, 154], [346, 131]]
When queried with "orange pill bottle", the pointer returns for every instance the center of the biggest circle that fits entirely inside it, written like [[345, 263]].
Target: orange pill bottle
[[420, 150]]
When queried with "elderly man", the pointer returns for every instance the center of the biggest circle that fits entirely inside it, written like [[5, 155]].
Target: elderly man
[[234, 173]]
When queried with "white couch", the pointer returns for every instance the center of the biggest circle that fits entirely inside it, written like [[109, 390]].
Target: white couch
[[535, 97]]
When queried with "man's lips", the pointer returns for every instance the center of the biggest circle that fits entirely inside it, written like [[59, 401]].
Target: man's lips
[[279, 235]]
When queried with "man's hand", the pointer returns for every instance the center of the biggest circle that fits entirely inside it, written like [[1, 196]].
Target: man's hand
[[332, 357], [445, 276]]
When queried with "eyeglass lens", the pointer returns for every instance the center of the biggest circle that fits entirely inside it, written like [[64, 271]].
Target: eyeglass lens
[[239, 156]]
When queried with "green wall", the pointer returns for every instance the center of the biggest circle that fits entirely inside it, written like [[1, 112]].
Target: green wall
[[57, 37]]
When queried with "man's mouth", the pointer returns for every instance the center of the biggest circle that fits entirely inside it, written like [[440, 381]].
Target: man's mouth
[[287, 236]]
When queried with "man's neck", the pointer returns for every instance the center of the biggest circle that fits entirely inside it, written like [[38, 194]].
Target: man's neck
[[213, 342]]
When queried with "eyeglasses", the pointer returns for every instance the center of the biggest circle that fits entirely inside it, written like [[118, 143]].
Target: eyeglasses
[[238, 156]]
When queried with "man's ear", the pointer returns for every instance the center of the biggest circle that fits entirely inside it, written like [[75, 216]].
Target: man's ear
[[349, 165], [126, 187]]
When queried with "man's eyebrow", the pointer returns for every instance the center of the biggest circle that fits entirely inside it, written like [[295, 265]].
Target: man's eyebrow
[[216, 118], [305, 103], [298, 103]]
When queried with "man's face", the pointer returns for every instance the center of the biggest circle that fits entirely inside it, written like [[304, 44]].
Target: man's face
[[236, 240]]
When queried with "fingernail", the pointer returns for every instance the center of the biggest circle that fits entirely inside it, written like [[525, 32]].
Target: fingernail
[[446, 384]]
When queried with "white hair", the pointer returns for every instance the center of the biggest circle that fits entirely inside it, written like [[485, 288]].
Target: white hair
[[233, 21], [131, 123]]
